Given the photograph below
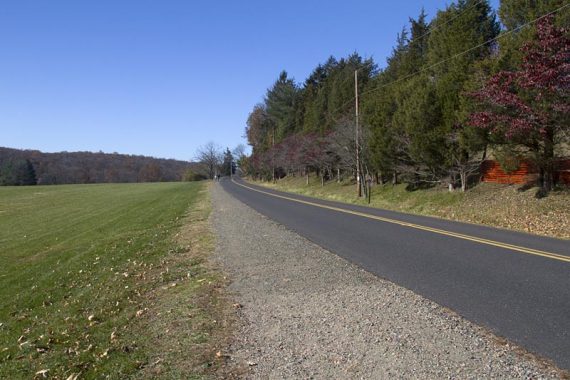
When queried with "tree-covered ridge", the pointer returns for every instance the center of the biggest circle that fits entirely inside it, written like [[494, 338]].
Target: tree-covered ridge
[[30, 167], [415, 113]]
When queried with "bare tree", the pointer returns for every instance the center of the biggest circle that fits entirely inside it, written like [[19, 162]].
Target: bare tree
[[210, 155], [239, 151]]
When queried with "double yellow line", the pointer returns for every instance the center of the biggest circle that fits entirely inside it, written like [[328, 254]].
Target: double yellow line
[[529, 251]]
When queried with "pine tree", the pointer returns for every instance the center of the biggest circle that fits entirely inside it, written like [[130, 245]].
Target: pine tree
[[516, 17], [17, 172], [280, 101], [227, 163], [456, 32], [384, 145], [418, 114], [313, 97], [386, 148]]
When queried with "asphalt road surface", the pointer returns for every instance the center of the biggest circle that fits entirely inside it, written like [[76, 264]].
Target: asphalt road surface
[[515, 284]]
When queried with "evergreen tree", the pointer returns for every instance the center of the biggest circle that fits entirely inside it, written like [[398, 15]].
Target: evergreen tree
[[455, 32], [28, 174], [385, 146], [314, 96], [418, 117], [17, 172], [460, 27], [514, 14], [414, 54], [281, 101], [227, 163]]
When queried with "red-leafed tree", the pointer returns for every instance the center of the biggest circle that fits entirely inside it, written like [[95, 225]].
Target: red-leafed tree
[[530, 107]]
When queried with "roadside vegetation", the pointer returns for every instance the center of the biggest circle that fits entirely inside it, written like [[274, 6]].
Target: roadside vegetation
[[461, 86], [503, 206], [111, 281]]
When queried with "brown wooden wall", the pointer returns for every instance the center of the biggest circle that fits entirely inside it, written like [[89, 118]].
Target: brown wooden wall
[[562, 173], [491, 171]]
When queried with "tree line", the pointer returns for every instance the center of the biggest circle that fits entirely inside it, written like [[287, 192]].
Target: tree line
[[455, 89], [30, 167], [214, 162]]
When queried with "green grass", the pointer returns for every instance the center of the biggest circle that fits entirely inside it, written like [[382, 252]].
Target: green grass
[[495, 205], [78, 262]]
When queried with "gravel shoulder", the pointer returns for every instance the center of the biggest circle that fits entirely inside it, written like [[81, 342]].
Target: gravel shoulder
[[307, 313]]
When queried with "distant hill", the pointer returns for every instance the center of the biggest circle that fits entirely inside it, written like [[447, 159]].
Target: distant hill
[[25, 167]]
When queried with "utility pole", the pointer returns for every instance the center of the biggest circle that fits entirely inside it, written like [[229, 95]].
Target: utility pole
[[273, 155], [359, 188]]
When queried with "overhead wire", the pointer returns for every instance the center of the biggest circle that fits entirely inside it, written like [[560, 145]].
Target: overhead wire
[[430, 30], [372, 64], [461, 53], [494, 39]]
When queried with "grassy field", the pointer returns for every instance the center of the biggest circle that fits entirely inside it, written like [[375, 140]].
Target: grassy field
[[108, 281], [495, 205]]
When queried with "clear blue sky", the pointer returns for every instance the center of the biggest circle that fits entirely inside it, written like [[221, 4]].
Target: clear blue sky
[[160, 78]]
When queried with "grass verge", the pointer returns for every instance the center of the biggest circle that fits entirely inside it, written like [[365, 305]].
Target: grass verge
[[500, 206], [109, 281]]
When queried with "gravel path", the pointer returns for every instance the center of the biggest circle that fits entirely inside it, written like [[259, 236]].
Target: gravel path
[[307, 313]]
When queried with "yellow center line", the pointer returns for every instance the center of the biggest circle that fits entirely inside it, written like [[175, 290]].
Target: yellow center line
[[511, 247]]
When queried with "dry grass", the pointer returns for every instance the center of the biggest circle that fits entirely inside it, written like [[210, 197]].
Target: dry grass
[[509, 207], [190, 318]]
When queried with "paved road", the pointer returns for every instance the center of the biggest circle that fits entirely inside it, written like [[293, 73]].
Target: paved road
[[515, 284]]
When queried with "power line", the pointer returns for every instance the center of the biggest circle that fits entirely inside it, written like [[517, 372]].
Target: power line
[[446, 23], [372, 63], [328, 113], [430, 30], [461, 53]]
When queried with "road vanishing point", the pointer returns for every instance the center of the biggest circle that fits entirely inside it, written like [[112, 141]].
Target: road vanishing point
[[516, 285]]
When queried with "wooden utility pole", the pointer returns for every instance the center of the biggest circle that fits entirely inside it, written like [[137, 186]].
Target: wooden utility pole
[[359, 188], [273, 156]]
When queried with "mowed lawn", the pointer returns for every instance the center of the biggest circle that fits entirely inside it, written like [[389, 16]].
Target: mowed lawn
[[77, 263]]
